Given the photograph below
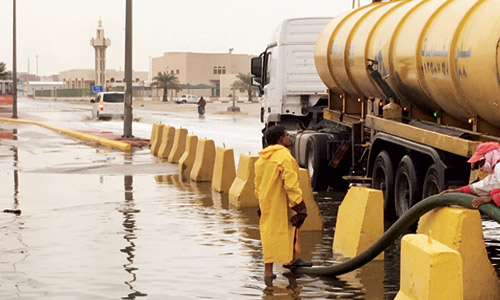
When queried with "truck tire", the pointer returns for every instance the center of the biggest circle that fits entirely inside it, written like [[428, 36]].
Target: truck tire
[[406, 186], [383, 179], [316, 162], [433, 182]]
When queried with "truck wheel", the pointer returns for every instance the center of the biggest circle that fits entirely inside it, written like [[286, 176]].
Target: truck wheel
[[316, 162], [433, 182], [406, 186], [383, 179]]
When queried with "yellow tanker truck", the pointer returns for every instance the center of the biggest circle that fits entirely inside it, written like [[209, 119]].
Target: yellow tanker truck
[[413, 88]]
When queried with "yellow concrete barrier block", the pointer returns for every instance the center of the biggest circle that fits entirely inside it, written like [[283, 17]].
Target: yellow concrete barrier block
[[179, 145], [186, 161], [241, 193], [203, 167], [224, 170], [314, 220], [461, 230], [429, 270], [156, 135], [167, 141], [153, 132], [360, 221]]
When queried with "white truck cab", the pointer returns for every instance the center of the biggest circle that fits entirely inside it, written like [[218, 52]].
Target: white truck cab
[[294, 96], [286, 74]]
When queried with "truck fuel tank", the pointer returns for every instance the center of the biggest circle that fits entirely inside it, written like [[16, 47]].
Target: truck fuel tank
[[437, 55]]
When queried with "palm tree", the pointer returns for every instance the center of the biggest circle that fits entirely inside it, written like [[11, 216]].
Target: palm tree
[[166, 81], [3, 73], [244, 82]]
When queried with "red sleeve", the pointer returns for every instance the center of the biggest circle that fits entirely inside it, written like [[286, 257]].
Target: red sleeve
[[495, 195], [466, 190]]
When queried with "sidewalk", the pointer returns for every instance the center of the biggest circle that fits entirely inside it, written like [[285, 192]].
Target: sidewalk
[[105, 138]]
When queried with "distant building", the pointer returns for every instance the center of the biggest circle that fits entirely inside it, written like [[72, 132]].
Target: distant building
[[31, 87], [54, 77], [202, 69], [84, 78], [25, 77]]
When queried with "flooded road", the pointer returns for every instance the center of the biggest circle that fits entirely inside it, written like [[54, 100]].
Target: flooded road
[[103, 224]]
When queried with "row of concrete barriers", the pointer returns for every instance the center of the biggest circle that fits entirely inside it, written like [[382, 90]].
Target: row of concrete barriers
[[199, 160]]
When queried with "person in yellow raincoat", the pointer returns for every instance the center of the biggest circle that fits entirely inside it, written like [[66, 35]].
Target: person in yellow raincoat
[[277, 188]]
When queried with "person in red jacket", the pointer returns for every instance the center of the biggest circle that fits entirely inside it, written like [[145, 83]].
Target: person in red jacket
[[487, 156]]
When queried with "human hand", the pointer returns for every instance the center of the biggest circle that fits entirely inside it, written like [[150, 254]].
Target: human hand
[[298, 219], [480, 200]]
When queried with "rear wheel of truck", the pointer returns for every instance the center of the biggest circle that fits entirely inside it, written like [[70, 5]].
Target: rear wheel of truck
[[316, 162], [433, 182], [383, 179], [406, 186]]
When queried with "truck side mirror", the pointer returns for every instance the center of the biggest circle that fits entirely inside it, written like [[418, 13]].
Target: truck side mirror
[[257, 81], [256, 66]]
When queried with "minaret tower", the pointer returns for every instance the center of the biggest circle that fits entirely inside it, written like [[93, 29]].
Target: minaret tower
[[100, 44]]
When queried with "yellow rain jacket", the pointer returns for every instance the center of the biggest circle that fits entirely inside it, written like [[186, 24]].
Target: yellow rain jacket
[[277, 188]]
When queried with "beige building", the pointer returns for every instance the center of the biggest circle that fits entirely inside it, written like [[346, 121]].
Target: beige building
[[202, 69], [85, 78]]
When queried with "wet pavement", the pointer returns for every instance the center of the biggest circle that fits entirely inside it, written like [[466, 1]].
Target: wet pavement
[[98, 223]]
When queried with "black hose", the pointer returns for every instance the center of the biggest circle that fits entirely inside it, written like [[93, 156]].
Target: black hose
[[400, 227]]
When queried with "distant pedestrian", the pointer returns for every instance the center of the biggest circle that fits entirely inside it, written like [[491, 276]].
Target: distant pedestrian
[[487, 156], [201, 106], [277, 188]]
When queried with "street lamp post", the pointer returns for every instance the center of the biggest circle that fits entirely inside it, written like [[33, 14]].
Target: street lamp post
[[14, 63], [127, 120]]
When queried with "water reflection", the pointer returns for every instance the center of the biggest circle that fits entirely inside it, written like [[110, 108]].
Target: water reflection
[[129, 226], [15, 151], [243, 223]]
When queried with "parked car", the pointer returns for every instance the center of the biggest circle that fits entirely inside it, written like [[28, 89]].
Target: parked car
[[108, 105], [187, 98]]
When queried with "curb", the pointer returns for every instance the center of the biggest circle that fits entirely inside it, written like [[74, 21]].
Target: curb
[[83, 136]]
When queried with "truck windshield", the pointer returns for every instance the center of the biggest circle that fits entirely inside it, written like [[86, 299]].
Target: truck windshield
[[113, 98]]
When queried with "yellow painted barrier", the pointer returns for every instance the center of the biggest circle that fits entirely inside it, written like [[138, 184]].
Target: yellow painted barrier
[[241, 193], [314, 220], [156, 136], [429, 270], [360, 221], [167, 141], [224, 170], [186, 161], [461, 230], [203, 166], [179, 145]]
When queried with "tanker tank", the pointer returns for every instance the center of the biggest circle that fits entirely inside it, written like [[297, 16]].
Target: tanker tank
[[440, 56]]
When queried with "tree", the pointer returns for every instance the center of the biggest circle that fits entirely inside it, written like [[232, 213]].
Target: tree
[[3, 73], [166, 81], [244, 82]]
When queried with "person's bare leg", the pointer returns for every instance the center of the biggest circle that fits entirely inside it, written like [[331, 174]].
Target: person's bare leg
[[268, 269]]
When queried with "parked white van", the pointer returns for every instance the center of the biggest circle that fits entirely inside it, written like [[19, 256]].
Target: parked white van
[[108, 105]]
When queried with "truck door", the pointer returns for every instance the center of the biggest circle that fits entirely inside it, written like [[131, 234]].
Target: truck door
[[272, 96]]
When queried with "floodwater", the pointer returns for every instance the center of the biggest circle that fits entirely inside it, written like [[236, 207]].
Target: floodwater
[[102, 224]]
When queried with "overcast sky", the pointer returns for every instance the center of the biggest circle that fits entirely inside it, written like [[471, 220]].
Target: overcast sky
[[59, 31]]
